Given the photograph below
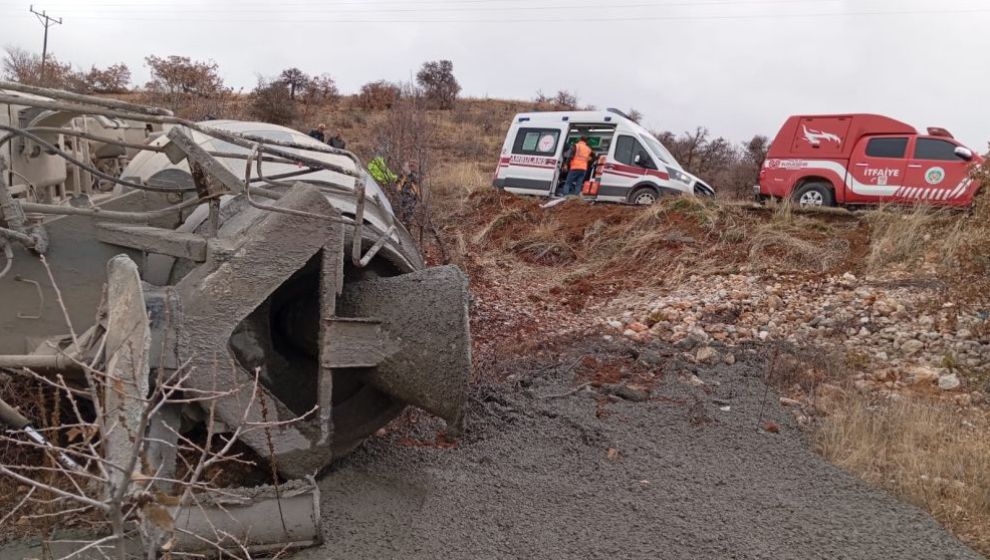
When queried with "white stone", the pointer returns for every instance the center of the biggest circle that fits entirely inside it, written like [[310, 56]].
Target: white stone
[[949, 382], [706, 354]]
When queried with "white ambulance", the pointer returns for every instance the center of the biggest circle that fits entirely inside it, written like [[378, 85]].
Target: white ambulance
[[630, 166]]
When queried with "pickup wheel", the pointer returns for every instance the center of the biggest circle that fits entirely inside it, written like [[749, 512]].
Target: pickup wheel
[[814, 194]]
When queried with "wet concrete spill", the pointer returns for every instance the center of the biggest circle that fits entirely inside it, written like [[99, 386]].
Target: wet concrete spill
[[548, 472]]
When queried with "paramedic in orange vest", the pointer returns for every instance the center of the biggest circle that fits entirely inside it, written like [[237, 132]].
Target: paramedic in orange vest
[[579, 167]]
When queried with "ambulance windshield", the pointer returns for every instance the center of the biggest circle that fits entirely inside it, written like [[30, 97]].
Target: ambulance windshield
[[660, 151]]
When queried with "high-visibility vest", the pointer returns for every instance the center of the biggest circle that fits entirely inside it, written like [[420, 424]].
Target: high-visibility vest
[[380, 172], [582, 154]]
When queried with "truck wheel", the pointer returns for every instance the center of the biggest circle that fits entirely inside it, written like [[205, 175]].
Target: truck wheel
[[814, 194], [644, 196]]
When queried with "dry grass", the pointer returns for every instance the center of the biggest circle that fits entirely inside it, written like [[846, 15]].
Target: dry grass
[[951, 244], [452, 185], [903, 236], [930, 453], [660, 245]]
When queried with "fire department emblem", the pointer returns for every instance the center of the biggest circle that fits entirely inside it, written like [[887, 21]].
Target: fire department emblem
[[935, 175]]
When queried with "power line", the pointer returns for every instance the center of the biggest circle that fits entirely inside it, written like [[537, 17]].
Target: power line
[[601, 19], [171, 8], [47, 21], [371, 3]]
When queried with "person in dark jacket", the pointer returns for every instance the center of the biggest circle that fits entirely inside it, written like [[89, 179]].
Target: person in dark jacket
[[320, 133], [337, 142], [409, 193]]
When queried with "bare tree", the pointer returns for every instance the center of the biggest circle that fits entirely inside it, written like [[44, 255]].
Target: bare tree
[[177, 80], [22, 66], [565, 101], [754, 153], [271, 101], [404, 139], [439, 85], [634, 115], [321, 89], [732, 169], [296, 79], [112, 79]]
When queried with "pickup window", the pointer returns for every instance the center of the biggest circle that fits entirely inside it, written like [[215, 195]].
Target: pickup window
[[887, 147], [932, 149]]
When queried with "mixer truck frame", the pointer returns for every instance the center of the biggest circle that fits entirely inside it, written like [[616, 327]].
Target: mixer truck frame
[[251, 256]]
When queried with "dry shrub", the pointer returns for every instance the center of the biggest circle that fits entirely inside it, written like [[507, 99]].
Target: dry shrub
[[775, 249], [272, 101], [499, 223], [953, 244], [901, 237], [932, 454], [542, 245], [378, 96]]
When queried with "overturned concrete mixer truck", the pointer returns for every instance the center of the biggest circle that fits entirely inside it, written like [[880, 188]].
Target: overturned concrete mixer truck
[[257, 254]]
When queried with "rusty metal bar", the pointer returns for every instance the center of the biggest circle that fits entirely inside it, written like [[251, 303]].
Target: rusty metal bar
[[358, 226], [195, 155], [377, 247], [82, 98], [94, 137], [22, 238], [111, 215], [54, 362]]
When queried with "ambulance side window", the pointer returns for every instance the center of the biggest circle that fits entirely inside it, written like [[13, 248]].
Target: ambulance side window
[[893, 148], [932, 149], [626, 150], [536, 141]]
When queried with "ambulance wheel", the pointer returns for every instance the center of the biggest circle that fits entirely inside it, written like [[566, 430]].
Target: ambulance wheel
[[644, 196], [814, 194]]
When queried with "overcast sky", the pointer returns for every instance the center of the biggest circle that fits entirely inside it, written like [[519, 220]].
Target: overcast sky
[[738, 67]]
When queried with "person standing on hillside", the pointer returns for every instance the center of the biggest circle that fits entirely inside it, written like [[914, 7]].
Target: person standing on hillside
[[409, 193], [583, 155], [320, 133], [336, 141]]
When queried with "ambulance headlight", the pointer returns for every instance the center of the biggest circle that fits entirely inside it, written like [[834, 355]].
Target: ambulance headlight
[[679, 175]]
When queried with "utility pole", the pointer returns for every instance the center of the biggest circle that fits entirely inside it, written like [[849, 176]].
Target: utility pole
[[47, 21]]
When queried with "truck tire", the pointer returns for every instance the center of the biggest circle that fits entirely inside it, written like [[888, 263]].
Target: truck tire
[[814, 194], [644, 196]]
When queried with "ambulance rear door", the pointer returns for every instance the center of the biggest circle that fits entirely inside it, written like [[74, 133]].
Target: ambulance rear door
[[530, 163]]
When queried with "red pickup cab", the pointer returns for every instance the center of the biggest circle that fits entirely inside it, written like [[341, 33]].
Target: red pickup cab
[[830, 160]]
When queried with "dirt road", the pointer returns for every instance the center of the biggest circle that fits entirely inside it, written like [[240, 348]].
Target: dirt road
[[688, 475]]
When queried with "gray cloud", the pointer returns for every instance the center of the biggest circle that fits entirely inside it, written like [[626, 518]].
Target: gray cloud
[[738, 75]]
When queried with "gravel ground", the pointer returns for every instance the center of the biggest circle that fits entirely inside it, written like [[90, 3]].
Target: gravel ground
[[542, 475]]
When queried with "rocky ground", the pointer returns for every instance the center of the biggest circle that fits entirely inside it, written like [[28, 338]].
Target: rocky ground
[[600, 448], [897, 327]]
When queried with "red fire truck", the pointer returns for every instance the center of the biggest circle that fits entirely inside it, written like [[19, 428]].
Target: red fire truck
[[828, 160]]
